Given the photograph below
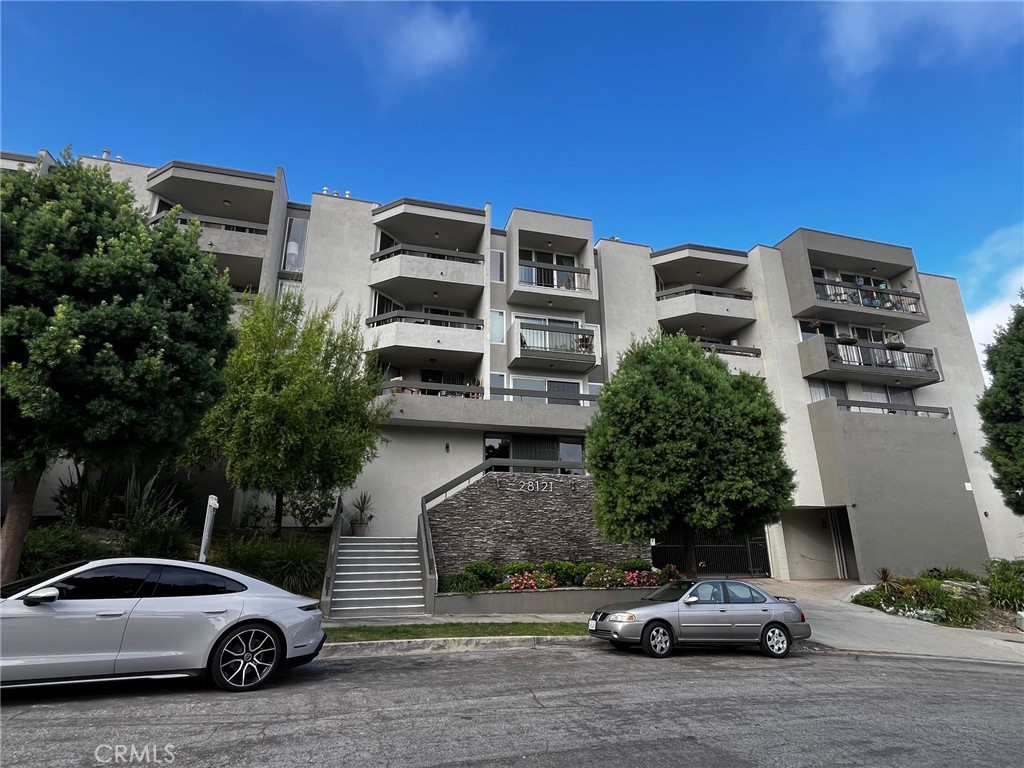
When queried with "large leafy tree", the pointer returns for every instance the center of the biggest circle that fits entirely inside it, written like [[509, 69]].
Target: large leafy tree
[[681, 445], [1002, 409], [113, 334], [302, 411]]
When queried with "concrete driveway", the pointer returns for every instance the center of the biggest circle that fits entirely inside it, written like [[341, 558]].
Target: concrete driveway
[[838, 623]]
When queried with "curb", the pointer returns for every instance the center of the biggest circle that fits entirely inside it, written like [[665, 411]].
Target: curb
[[446, 645]]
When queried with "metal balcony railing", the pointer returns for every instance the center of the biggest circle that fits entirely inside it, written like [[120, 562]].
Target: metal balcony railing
[[543, 396], [907, 359], [868, 296], [534, 336], [426, 253], [893, 409], [424, 318], [562, 278], [730, 349], [704, 290]]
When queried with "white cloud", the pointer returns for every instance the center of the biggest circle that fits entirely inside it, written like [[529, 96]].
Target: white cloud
[[402, 44], [862, 38], [992, 280]]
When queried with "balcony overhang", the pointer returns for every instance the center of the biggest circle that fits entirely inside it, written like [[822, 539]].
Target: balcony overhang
[[697, 264], [418, 221], [211, 191]]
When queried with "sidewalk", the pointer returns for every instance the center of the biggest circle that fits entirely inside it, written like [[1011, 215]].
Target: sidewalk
[[835, 623]]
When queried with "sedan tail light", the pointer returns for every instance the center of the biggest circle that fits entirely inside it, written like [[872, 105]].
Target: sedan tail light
[[802, 617]]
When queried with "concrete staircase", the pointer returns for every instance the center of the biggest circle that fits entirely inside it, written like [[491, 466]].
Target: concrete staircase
[[377, 576]]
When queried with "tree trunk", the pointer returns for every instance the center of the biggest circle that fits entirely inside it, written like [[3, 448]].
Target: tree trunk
[[278, 513], [16, 524], [690, 552]]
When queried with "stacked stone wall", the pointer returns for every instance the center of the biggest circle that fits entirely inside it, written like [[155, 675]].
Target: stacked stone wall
[[517, 516]]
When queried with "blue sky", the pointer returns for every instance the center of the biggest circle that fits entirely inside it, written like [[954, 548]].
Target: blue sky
[[724, 123]]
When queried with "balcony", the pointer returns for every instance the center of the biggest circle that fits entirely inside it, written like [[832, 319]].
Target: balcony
[[533, 345], [892, 409], [408, 273], [419, 340], [210, 191], [738, 358], [845, 302], [704, 310], [822, 357], [561, 287]]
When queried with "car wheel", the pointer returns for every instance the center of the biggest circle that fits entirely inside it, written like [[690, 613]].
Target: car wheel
[[620, 645], [245, 657], [775, 641], [657, 639]]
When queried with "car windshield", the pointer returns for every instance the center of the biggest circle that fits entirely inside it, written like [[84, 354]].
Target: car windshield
[[22, 584], [670, 592]]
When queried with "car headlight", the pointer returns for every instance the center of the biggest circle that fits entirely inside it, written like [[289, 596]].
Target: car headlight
[[620, 617]]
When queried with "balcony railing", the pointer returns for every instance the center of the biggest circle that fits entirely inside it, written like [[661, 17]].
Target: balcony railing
[[704, 290], [558, 277], [537, 337], [543, 396], [893, 409], [908, 359], [426, 253], [423, 318], [412, 387], [730, 349], [868, 296]]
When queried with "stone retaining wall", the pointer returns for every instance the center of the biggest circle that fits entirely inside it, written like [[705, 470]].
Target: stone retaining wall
[[506, 516]]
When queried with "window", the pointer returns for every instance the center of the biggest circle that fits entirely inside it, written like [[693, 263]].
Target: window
[[594, 389], [288, 286], [570, 449], [708, 592], [546, 277], [877, 393], [497, 382], [559, 338], [529, 382], [822, 388], [497, 447], [444, 311], [188, 582], [497, 266], [741, 593], [564, 386], [383, 304], [295, 246], [497, 326], [811, 328], [111, 582]]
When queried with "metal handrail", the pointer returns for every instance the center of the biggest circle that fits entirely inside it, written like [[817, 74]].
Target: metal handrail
[[332, 556], [712, 290], [425, 318], [913, 359], [427, 253], [430, 386], [893, 407], [730, 349]]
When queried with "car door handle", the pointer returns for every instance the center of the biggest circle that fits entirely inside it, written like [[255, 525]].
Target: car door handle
[[109, 614], [721, 610], [214, 613]]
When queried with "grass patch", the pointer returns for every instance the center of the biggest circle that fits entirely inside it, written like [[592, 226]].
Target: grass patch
[[456, 629]]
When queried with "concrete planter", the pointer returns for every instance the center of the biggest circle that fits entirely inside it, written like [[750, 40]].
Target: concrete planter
[[559, 600]]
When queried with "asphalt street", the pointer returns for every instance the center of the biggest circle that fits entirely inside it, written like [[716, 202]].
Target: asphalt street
[[569, 704]]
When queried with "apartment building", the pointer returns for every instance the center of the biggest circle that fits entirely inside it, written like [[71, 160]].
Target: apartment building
[[496, 341]]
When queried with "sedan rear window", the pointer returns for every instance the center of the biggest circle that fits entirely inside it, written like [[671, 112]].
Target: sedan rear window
[[670, 592], [191, 582]]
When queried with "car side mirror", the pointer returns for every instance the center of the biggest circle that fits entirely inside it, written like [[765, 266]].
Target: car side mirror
[[44, 595], [690, 600]]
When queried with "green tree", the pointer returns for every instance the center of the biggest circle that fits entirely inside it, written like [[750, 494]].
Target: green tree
[[1002, 409], [301, 412], [113, 335], [680, 445]]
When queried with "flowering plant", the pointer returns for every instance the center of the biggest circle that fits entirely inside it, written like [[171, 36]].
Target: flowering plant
[[530, 580]]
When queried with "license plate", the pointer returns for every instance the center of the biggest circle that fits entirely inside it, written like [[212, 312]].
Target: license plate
[[592, 624]]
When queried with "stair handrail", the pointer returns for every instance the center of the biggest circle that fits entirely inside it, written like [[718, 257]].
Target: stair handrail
[[423, 524], [332, 557]]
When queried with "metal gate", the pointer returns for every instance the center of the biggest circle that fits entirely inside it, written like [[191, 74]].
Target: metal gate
[[718, 556]]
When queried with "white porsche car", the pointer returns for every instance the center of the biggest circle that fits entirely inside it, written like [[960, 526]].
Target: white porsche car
[[152, 618]]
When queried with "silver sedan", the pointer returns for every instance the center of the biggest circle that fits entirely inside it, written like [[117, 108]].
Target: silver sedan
[[710, 611], [152, 618]]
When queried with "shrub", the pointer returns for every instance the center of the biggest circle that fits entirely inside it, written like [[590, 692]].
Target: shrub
[[951, 574], [516, 567], [256, 515], [143, 502], [872, 598], [603, 577], [486, 572], [152, 534], [633, 564], [567, 574], [54, 545], [1006, 583], [90, 499], [641, 579], [248, 554], [465, 583], [668, 573], [309, 508], [297, 564], [530, 580]]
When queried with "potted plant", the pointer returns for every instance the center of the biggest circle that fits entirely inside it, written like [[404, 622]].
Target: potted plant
[[846, 338], [893, 341], [361, 516]]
